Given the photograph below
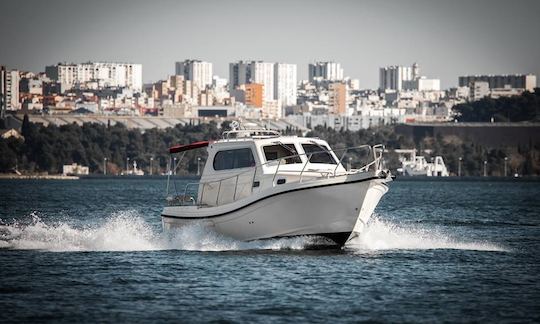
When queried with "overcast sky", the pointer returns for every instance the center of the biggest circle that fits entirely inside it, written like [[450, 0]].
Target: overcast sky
[[447, 38]]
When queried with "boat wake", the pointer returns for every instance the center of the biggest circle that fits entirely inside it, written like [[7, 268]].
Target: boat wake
[[120, 232], [383, 235], [128, 231]]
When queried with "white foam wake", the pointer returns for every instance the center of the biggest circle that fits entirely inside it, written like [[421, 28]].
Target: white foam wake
[[384, 235], [127, 231], [121, 232]]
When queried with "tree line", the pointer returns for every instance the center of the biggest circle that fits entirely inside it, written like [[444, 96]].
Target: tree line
[[521, 160], [525, 107], [48, 148]]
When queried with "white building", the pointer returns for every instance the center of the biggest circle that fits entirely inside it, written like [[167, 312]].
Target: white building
[[102, 74], [354, 84], [285, 84], [2, 91], [219, 83], [330, 71], [199, 72], [74, 169], [505, 92], [263, 73], [479, 90], [425, 84], [422, 84], [393, 77], [9, 89], [253, 72]]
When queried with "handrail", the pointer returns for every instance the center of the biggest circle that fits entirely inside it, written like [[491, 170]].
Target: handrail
[[253, 180], [235, 187], [345, 153], [275, 173], [304, 167], [173, 169], [379, 148], [258, 132]]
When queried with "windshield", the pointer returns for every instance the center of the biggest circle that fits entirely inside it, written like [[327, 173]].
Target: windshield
[[280, 150], [319, 154]]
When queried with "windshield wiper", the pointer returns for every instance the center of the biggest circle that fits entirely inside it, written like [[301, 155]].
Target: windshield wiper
[[293, 151]]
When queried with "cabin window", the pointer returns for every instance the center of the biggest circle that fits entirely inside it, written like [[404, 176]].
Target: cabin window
[[320, 154], [278, 151], [234, 159]]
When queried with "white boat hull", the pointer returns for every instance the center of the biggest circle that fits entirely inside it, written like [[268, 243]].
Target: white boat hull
[[333, 208]]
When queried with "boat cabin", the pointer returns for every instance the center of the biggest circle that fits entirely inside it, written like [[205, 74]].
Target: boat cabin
[[246, 162]]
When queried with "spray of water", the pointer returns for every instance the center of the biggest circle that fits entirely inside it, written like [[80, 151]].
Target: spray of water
[[120, 232], [128, 231], [384, 235]]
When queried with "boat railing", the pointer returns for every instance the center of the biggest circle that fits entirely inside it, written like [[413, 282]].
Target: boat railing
[[192, 196], [253, 133]]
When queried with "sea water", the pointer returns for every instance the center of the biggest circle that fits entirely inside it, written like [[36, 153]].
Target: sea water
[[93, 250]]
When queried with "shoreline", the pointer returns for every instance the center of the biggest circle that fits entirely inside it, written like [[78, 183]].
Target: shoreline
[[94, 177], [194, 177], [38, 177], [470, 178]]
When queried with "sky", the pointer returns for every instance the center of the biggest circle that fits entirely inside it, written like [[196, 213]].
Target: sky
[[446, 38]]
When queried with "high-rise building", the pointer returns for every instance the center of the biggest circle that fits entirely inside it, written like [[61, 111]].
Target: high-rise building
[[393, 77], [239, 73], [330, 71], [338, 98], [9, 90], [263, 73], [96, 75], [415, 71], [285, 84], [199, 72], [2, 91], [517, 81], [253, 72]]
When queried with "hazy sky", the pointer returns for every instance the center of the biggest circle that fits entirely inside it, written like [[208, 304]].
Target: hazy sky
[[447, 38]]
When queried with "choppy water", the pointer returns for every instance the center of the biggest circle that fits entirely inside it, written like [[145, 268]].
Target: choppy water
[[93, 250]]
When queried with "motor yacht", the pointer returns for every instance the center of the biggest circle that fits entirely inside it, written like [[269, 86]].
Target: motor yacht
[[257, 184], [414, 165]]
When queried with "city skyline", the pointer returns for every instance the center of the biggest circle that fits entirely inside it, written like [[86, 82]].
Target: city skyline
[[446, 39]]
